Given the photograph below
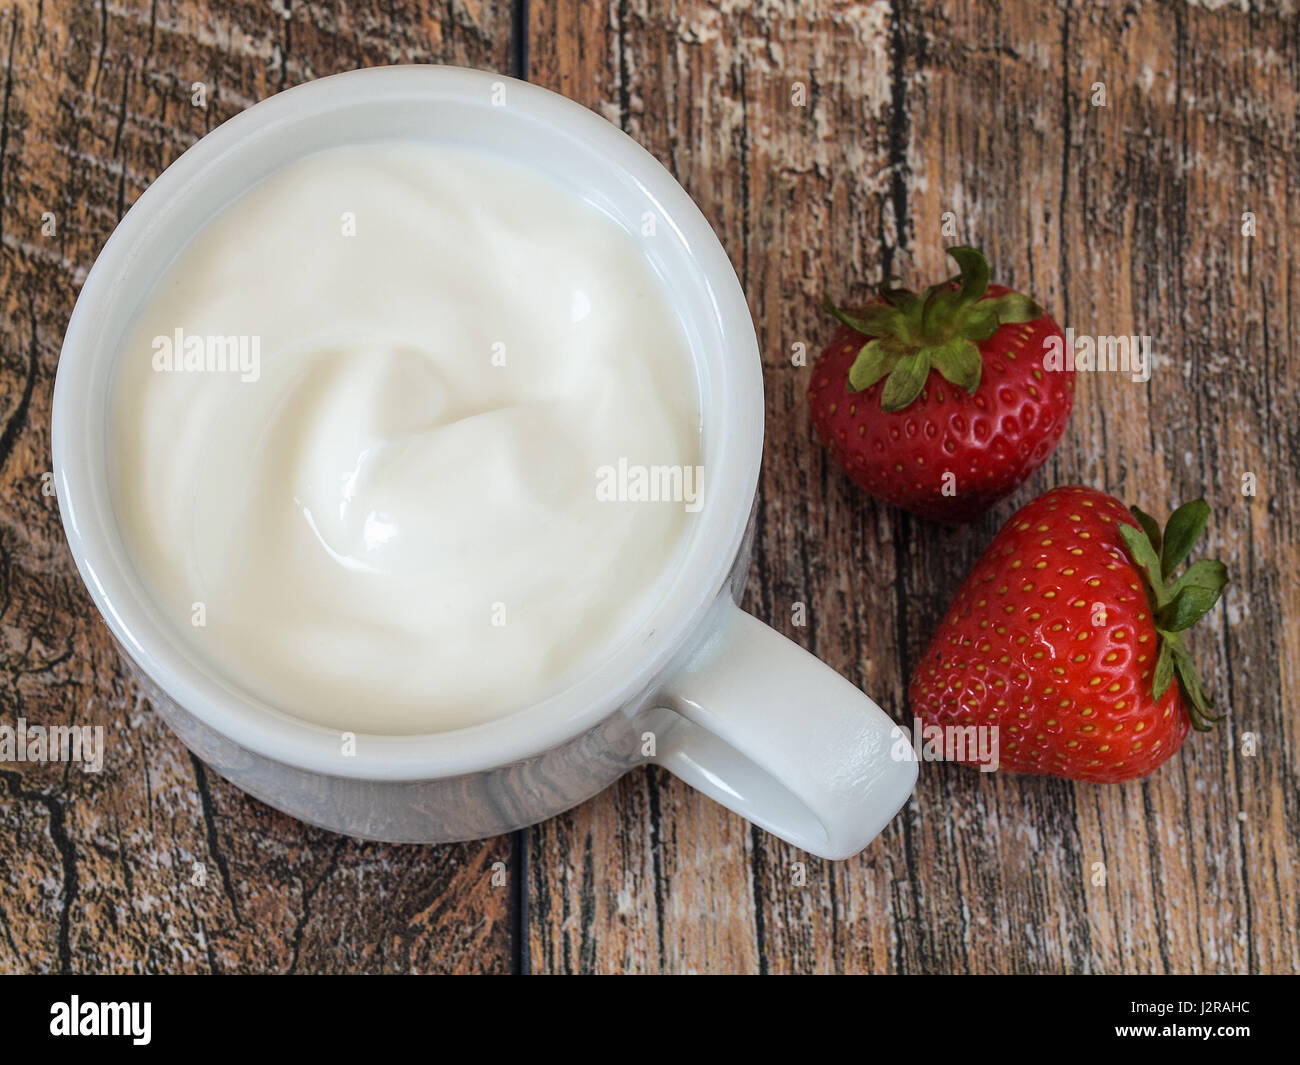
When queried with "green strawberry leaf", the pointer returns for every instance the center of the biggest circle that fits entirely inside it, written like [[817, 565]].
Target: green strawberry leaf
[[1201, 706], [1204, 573], [873, 362], [980, 321], [1012, 308], [941, 303], [1177, 607], [901, 298], [1164, 671], [1187, 608], [1183, 529], [877, 321], [1150, 526], [905, 381], [1145, 556], [974, 272], [959, 361]]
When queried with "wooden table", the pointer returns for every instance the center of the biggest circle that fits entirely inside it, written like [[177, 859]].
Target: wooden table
[[1106, 157]]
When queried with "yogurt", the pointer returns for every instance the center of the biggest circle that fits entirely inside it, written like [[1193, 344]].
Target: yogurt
[[357, 432]]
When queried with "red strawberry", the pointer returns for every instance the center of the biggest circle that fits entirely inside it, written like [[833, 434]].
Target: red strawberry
[[1068, 634], [940, 403]]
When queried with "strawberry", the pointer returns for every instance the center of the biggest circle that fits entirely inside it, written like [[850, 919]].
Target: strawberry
[[940, 403], [1068, 635]]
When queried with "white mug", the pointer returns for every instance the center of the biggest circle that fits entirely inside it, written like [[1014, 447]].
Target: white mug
[[724, 702]]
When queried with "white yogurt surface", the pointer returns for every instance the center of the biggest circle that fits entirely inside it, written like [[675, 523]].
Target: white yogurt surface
[[383, 528]]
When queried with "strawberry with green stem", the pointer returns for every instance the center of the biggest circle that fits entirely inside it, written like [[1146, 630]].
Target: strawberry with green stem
[[940, 402], [1069, 636]]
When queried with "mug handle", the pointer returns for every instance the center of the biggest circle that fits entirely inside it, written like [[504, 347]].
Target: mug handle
[[779, 737]]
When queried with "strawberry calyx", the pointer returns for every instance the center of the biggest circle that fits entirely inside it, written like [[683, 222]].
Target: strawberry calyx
[[940, 329], [1176, 605]]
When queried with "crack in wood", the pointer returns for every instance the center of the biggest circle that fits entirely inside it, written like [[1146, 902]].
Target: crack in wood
[[58, 833]]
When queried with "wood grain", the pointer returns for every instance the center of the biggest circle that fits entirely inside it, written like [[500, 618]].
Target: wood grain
[[1124, 219]]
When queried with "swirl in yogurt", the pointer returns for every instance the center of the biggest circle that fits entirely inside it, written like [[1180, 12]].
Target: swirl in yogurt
[[393, 525]]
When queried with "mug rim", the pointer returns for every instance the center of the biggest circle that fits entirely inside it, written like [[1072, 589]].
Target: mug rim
[[734, 417]]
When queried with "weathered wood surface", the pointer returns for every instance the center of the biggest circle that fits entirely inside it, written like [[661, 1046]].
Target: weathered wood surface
[[1124, 219]]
